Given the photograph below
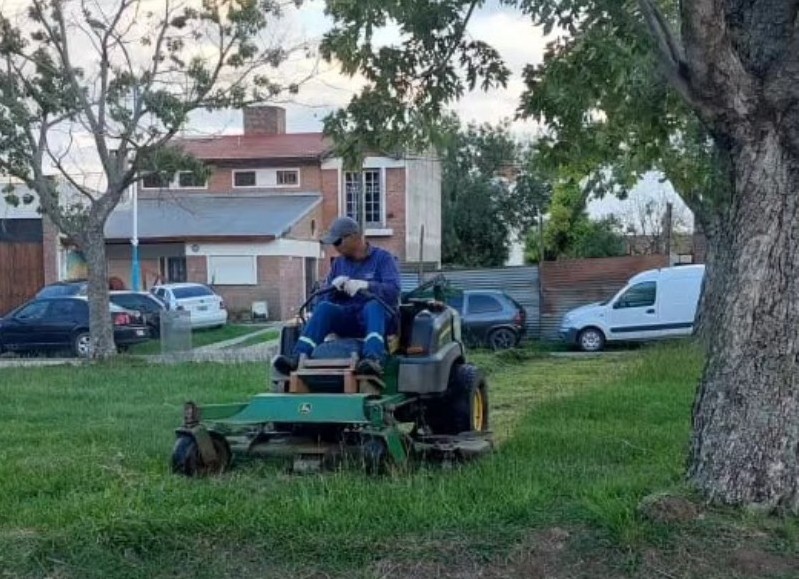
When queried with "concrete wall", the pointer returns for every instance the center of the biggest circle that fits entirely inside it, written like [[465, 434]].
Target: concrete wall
[[424, 207]]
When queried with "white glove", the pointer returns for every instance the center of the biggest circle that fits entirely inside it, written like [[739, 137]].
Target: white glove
[[353, 286], [339, 282]]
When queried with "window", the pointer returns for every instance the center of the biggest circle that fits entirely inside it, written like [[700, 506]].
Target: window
[[640, 295], [288, 178], [33, 311], [155, 181], [481, 304], [188, 180], [456, 302], [244, 178], [191, 291], [232, 270], [68, 310], [173, 269], [366, 188]]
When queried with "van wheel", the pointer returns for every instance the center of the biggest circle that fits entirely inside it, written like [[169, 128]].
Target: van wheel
[[591, 340]]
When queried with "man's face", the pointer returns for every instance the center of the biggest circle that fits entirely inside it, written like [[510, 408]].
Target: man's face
[[347, 246]]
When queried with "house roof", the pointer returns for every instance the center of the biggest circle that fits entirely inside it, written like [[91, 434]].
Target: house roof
[[204, 217], [243, 147]]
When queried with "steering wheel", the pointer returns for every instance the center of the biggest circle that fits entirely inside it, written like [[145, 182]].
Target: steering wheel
[[328, 290]]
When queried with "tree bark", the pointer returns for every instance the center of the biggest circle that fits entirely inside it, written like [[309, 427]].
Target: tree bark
[[746, 427], [102, 335]]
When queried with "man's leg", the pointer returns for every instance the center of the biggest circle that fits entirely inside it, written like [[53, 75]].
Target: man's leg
[[375, 318], [326, 317]]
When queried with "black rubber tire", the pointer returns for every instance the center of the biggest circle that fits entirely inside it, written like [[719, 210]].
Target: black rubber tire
[[464, 408], [502, 339], [186, 459]]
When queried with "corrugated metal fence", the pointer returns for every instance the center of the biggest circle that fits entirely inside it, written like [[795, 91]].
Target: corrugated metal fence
[[520, 283], [571, 283], [564, 285]]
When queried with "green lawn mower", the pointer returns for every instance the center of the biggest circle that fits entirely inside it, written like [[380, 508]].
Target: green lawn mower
[[429, 404]]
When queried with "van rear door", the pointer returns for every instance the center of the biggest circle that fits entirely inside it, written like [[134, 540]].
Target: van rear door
[[634, 313], [679, 298]]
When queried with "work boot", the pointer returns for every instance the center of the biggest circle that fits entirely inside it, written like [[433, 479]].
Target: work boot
[[285, 364], [369, 367]]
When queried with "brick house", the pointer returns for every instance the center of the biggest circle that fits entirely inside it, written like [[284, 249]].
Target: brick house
[[252, 229]]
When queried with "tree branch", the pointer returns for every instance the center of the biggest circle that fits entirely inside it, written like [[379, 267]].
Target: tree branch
[[725, 95]]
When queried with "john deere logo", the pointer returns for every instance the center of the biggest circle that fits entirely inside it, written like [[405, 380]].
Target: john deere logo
[[305, 408]]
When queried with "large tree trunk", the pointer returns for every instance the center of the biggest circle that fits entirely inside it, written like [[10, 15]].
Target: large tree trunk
[[102, 335], [746, 425]]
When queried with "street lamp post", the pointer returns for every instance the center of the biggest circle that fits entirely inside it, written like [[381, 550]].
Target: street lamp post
[[135, 273]]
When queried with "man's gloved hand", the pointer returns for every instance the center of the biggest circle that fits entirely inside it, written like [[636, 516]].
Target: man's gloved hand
[[338, 282], [353, 286]]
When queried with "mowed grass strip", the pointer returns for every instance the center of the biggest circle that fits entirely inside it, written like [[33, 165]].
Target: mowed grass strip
[[85, 488], [199, 338]]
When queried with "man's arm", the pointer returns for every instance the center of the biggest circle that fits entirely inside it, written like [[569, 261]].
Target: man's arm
[[334, 272], [388, 288]]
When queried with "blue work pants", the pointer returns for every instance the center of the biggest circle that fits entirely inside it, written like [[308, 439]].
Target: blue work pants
[[368, 323]]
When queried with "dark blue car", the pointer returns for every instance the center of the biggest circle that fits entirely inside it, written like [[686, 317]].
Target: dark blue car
[[49, 324]]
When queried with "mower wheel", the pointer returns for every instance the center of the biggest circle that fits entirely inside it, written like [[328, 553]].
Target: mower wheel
[[186, 458], [465, 406]]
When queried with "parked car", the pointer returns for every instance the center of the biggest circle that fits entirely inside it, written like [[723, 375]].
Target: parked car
[[207, 309], [63, 323], [145, 303], [655, 304], [78, 287], [489, 317]]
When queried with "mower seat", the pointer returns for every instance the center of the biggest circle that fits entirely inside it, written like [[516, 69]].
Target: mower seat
[[392, 345]]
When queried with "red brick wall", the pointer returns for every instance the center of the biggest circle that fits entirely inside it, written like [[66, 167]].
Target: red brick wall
[[309, 227], [330, 186], [292, 288], [50, 247], [239, 298], [197, 268], [264, 120], [221, 180]]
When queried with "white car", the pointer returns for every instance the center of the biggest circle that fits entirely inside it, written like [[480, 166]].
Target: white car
[[207, 309], [655, 304]]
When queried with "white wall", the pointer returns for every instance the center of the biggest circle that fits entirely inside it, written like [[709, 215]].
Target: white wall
[[423, 206]]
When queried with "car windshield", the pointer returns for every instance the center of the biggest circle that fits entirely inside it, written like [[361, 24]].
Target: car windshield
[[194, 291]]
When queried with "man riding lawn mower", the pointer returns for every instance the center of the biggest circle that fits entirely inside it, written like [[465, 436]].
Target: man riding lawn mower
[[365, 378]]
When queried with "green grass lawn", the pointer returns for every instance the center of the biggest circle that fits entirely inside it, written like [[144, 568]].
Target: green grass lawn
[[199, 338], [85, 488]]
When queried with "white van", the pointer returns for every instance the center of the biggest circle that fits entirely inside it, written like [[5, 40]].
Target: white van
[[655, 304]]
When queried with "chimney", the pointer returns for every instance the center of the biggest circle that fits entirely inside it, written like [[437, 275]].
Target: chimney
[[264, 120]]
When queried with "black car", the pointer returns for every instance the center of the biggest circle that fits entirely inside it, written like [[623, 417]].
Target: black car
[[149, 306], [489, 318], [63, 323]]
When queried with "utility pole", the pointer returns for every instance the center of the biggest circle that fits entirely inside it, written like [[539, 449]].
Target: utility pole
[[667, 232], [135, 267]]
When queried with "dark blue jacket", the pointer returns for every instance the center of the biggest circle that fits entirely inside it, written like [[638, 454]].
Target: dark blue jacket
[[379, 269]]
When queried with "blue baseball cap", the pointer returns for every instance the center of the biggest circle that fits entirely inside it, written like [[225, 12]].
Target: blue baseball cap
[[341, 228]]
